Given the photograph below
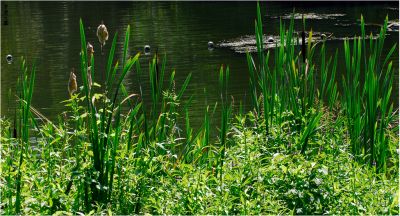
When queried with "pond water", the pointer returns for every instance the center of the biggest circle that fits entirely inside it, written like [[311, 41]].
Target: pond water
[[48, 33]]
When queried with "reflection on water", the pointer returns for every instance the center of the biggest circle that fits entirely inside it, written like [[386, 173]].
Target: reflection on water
[[47, 33]]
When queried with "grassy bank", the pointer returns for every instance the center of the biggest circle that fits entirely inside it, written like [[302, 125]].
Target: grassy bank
[[304, 148]]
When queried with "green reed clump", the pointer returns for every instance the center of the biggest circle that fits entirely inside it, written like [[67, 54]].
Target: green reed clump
[[103, 148], [104, 117], [367, 103], [328, 90], [289, 85]]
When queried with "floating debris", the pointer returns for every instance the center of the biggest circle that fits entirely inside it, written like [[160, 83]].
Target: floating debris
[[247, 43], [299, 16], [210, 45], [371, 24], [393, 26], [147, 49], [9, 58], [344, 24], [392, 8], [374, 37]]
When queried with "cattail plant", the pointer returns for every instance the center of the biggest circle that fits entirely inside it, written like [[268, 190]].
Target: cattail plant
[[99, 133], [290, 85]]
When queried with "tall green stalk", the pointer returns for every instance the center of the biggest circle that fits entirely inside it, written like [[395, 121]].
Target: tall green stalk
[[226, 112], [26, 91]]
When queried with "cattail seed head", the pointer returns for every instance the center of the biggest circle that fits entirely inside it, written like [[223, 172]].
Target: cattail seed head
[[72, 84], [102, 34]]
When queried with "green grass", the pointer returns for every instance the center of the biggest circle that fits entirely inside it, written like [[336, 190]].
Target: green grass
[[304, 148]]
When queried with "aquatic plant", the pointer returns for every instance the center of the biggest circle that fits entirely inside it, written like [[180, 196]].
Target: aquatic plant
[[292, 81], [367, 104], [303, 149]]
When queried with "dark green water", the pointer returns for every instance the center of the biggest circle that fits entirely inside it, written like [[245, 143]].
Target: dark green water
[[48, 33]]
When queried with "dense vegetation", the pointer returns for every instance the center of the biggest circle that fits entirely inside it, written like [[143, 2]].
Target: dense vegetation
[[305, 148]]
